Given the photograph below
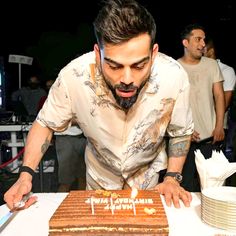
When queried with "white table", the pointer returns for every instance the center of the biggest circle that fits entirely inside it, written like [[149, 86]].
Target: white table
[[34, 220], [14, 143]]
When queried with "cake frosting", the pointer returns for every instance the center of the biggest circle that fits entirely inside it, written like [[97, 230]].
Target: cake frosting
[[110, 213]]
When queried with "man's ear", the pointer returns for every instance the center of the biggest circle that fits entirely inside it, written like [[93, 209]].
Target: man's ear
[[211, 53], [154, 51], [97, 53], [185, 43]]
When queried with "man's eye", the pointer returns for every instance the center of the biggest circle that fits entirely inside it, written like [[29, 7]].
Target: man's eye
[[198, 39], [114, 67], [139, 67]]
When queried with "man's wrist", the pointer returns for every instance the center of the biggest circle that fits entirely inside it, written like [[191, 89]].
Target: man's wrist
[[176, 176], [171, 180], [26, 169]]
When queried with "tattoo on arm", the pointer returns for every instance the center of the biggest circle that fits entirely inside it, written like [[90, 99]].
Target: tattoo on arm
[[45, 146], [179, 146]]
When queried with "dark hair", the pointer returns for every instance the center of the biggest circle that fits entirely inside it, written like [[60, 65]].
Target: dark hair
[[188, 30], [210, 43], [121, 20]]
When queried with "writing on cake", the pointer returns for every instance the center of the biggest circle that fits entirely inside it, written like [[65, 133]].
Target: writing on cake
[[119, 203]]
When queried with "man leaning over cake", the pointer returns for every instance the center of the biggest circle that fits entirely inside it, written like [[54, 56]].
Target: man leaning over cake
[[127, 98]]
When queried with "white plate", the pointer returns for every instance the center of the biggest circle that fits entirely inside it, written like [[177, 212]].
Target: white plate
[[222, 193]]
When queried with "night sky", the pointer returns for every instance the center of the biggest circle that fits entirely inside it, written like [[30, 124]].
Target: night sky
[[30, 22]]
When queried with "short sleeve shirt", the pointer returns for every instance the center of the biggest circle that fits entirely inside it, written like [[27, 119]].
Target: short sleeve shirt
[[202, 76], [122, 147]]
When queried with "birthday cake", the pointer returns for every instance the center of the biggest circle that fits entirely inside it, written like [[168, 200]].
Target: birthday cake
[[114, 212]]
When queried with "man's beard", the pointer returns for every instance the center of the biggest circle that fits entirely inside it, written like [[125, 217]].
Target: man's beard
[[125, 102]]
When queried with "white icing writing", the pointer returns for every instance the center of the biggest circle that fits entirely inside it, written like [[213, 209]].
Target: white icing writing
[[137, 201], [119, 207], [120, 203]]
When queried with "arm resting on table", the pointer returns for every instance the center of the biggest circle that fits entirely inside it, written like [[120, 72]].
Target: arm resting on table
[[37, 143]]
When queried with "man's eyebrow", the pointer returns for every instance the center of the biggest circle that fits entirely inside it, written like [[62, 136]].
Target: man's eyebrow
[[118, 64], [142, 60], [198, 37], [112, 61]]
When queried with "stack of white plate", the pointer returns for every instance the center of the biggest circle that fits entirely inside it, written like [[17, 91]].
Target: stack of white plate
[[218, 207]]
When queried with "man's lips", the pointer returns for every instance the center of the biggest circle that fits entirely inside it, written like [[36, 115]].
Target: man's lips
[[126, 93]]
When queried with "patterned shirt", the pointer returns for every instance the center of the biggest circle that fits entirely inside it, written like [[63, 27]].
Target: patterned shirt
[[123, 147]]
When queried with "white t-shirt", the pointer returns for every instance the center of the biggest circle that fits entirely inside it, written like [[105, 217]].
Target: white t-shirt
[[229, 82], [228, 75], [202, 76]]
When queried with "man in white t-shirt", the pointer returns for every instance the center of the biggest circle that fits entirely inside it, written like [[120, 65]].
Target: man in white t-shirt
[[228, 75], [206, 101], [228, 86]]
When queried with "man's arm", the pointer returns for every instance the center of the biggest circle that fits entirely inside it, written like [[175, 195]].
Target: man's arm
[[228, 96], [179, 130], [170, 188], [228, 84], [37, 143], [15, 95], [218, 132], [178, 150]]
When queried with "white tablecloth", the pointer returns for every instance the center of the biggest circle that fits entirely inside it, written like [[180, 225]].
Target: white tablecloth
[[34, 220]]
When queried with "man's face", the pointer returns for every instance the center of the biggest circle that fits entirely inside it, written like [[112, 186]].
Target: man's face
[[126, 67], [34, 83], [195, 45]]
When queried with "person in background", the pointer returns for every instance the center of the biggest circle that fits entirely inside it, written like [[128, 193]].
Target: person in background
[[48, 85], [70, 148], [126, 97], [231, 138], [30, 96], [228, 86], [206, 100], [231, 142]]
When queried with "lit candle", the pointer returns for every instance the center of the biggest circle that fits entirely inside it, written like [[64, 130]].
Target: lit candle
[[92, 205], [134, 208], [112, 206], [133, 195]]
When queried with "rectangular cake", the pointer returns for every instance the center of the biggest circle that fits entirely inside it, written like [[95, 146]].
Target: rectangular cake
[[112, 212]]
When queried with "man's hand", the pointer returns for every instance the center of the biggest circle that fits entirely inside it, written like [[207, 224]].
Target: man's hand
[[15, 194], [173, 192], [218, 134], [195, 136]]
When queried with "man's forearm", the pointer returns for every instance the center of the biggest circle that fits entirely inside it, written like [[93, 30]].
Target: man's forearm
[[37, 143], [177, 151], [228, 96], [219, 104]]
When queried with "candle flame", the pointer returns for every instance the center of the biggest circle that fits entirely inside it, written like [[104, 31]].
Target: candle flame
[[134, 193]]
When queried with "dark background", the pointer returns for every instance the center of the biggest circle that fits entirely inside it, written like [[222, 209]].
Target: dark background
[[54, 33]]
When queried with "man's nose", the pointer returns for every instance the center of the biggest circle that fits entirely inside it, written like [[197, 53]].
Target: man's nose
[[127, 77], [203, 43]]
